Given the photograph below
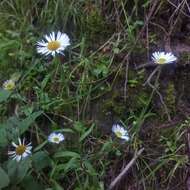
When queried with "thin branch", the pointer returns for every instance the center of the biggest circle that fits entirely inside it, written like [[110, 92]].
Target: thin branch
[[59, 115], [155, 89], [125, 170], [151, 75], [178, 8]]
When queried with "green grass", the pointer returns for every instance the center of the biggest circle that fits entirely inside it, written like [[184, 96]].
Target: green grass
[[81, 94]]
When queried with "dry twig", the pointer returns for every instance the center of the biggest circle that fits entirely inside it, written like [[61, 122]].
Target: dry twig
[[125, 170]]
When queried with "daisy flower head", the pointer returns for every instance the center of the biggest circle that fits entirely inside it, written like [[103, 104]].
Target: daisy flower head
[[163, 58], [21, 151], [56, 138], [54, 43], [120, 132], [9, 85]]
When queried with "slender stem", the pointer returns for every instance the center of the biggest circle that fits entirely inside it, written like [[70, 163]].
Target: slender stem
[[155, 89], [126, 169], [151, 75]]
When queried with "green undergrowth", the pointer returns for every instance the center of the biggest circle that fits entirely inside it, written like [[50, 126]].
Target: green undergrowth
[[82, 94]]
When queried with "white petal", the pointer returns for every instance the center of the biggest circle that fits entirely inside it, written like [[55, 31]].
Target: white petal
[[126, 137], [49, 139], [61, 48], [48, 38], [123, 132], [114, 128], [64, 39], [29, 144], [29, 148], [15, 145], [52, 36], [18, 158], [58, 50], [11, 152], [51, 136], [61, 139], [23, 141], [24, 155], [42, 43], [19, 140], [58, 35], [12, 156], [43, 50], [53, 53], [61, 136]]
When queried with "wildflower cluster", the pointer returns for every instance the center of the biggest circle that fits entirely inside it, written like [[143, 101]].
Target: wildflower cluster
[[23, 150], [56, 43], [53, 44]]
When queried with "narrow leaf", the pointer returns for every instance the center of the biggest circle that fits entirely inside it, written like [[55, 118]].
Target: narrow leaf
[[4, 95], [86, 133], [67, 154], [25, 124], [4, 179]]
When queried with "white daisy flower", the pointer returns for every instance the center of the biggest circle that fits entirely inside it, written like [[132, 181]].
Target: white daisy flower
[[9, 85], [53, 43], [56, 137], [21, 151], [120, 132], [163, 57]]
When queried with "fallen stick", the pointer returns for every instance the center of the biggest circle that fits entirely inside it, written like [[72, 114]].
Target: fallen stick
[[125, 170]]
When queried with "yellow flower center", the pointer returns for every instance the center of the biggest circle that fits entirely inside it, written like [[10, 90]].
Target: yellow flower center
[[56, 139], [118, 134], [9, 86], [53, 45], [161, 61], [20, 149]]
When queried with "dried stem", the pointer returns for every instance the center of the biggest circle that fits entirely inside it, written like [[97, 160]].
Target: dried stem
[[125, 170], [158, 69]]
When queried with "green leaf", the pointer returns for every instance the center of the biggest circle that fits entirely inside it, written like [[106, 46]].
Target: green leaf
[[45, 81], [116, 50], [8, 44], [90, 168], [78, 126], [25, 124], [4, 179], [29, 183], [67, 154], [86, 133], [72, 164], [39, 147], [66, 130], [15, 76], [17, 171], [41, 160], [107, 147], [8, 130], [11, 128], [57, 186], [4, 95]]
